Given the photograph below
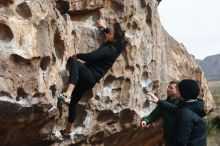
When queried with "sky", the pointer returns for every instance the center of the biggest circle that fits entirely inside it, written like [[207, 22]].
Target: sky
[[195, 23]]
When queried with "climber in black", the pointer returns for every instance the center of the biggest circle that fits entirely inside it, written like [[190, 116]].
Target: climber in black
[[83, 76]]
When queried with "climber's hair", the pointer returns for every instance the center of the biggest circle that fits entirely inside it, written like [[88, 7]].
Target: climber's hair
[[174, 82], [118, 33], [119, 36]]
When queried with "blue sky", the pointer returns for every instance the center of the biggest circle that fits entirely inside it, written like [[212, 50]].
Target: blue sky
[[195, 23]]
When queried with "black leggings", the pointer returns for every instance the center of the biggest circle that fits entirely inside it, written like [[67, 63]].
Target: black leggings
[[83, 79]]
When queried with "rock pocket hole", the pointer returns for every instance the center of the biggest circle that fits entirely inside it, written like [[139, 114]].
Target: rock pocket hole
[[23, 10], [5, 2], [5, 33], [106, 115], [53, 58], [98, 136], [21, 94], [3, 93], [108, 80], [62, 6], [59, 45], [45, 61], [134, 25], [20, 60], [117, 6], [149, 15], [53, 90], [126, 116]]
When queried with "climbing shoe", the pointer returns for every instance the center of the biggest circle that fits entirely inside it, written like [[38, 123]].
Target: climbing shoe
[[65, 134], [62, 97]]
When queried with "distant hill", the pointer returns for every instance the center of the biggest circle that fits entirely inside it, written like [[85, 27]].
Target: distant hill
[[211, 66]]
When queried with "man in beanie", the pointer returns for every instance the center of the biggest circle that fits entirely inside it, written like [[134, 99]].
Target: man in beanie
[[189, 126]]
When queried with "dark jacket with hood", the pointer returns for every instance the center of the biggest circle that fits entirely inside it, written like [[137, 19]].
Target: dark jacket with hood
[[189, 126], [101, 60]]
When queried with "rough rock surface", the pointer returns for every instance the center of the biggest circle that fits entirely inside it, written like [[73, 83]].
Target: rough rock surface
[[36, 39]]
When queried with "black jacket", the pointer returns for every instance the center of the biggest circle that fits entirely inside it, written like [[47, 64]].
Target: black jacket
[[189, 126], [100, 60]]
